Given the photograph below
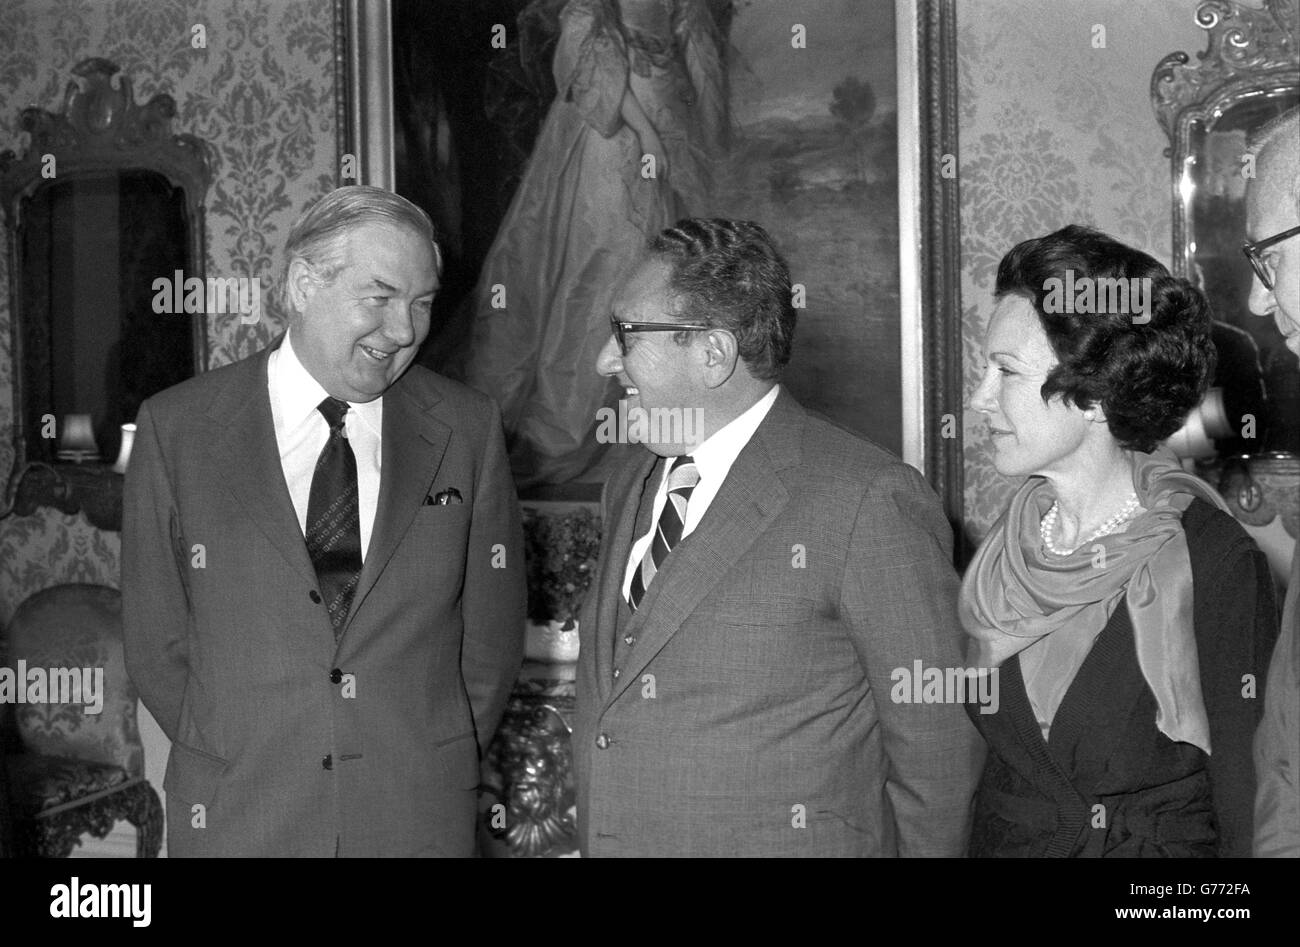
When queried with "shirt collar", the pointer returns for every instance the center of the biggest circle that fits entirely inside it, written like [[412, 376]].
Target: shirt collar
[[298, 394], [715, 456]]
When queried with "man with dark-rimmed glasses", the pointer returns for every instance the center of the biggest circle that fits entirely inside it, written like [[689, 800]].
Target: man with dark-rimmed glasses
[[763, 574], [1273, 223]]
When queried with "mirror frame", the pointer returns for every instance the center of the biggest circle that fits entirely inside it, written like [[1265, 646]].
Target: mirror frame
[[101, 130], [1252, 54]]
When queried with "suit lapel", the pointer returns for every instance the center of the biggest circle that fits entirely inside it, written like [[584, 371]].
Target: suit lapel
[[751, 497], [414, 442], [628, 491], [247, 458]]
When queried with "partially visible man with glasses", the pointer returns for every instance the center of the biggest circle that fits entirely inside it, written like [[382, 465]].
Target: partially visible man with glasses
[[1263, 262], [1273, 223]]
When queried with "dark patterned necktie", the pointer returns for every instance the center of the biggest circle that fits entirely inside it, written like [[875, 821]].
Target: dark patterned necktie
[[682, 478], [333, 517]]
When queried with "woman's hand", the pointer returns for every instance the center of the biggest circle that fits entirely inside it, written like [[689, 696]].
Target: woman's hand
[[652, 145], [648, 140]]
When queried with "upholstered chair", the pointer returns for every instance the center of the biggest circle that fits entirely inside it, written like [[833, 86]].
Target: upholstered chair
[[71, 771]]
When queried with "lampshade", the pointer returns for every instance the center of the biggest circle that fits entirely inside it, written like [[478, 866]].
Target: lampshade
[[77, 439]]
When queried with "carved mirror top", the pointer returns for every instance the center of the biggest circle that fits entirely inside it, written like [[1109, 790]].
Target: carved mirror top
[[1252, 52], [101, 199], [103, 128]]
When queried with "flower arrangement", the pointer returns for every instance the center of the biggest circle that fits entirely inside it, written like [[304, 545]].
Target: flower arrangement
[[560, 553]]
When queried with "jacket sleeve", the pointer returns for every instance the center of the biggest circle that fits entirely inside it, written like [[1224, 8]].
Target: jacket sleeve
[[494, 602], [900, 597], [1235, 640], [1277, 742], [155, 597]]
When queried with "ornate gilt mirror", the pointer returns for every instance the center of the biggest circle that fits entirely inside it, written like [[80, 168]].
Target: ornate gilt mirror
[[1249, 74], [103, 202]]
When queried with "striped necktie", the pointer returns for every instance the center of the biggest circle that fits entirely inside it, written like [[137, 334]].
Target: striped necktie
[[682, 478], [334, 517]]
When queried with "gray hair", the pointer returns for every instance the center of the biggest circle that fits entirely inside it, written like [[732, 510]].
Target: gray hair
[[1280, 138], [316, 237]]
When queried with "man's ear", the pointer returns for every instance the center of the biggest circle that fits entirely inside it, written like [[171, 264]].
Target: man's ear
[[720, 354], [301, 283]]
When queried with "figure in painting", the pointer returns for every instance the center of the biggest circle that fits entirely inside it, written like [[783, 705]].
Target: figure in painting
[[640, 113]]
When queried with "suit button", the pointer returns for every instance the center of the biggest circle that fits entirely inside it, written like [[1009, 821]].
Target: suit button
[[328, 762], [628, 640], [617, 672], [314, 596], [602, 741], [336, 676]]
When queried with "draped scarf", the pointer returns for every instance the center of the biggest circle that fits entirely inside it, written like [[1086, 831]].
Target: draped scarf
[[1015, 592]]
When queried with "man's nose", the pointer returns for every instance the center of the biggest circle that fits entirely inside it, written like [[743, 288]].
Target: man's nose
[[399, 325], [609, 361], [1261, 301]]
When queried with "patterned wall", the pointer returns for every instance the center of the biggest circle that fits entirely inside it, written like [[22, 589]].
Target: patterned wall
[[262, 92], [1054, 131]]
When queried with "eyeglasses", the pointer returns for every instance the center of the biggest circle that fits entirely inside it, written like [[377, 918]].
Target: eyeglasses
[[1252, 251], [620, 329]]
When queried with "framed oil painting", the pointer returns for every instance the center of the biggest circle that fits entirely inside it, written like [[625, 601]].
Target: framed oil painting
[[825, 121]]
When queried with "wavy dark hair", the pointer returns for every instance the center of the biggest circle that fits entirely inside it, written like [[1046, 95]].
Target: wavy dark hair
[[728, 274], [1146, 375]]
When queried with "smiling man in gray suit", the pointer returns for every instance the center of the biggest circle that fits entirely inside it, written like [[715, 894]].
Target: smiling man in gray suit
[[322, 568], [764, 578]]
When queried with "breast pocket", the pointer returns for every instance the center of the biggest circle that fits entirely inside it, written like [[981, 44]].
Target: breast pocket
[[760, 610], [765, 593], [439, 539], [454, 517]]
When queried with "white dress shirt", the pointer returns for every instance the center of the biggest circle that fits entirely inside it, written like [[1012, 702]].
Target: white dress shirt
[[301, 432], [713, 460]]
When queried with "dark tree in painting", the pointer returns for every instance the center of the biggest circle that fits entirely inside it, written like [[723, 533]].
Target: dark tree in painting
[[853, 102]]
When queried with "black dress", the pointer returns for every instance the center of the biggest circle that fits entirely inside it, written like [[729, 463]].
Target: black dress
[[1107, 783]]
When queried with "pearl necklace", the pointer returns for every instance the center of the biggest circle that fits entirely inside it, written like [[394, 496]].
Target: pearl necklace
[[1048, 525]]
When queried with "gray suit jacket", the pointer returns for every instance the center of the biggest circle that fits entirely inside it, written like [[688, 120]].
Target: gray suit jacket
[[753, 714], [1277, 742], [236, 658]]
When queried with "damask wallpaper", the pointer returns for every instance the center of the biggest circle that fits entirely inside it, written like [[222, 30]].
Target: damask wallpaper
[[1054, 130], [262, 92]]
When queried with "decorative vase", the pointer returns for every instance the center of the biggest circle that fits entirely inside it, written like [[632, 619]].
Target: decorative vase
[[1263, 493], [550, 643]]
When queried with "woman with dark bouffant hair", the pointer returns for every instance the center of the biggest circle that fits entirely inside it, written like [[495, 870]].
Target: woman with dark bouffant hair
[[1128, 615]]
